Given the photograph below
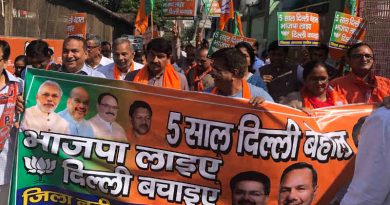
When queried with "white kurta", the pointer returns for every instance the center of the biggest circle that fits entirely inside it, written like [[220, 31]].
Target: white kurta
[[107, 130], [35, 119]]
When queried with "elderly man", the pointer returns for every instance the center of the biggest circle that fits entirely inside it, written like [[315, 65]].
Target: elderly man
[[298, 184], [159, 71], [250, 188], [77, 107], [103, 123], [140, 114], [42, 117], [95, 58], [361, 85], [123, 60]]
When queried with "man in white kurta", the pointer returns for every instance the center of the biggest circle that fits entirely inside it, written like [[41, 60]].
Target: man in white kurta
[[371, 180], [123, 54], [103, 124], [42, 117]]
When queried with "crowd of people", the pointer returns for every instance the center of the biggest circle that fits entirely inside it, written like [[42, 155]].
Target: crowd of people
[[236, 72]]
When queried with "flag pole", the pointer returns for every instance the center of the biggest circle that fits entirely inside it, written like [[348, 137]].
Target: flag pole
[[151, 21], [204, 23]]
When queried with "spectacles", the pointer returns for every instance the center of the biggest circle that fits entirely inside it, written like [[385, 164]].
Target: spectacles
[[359, 56], [109, 106]]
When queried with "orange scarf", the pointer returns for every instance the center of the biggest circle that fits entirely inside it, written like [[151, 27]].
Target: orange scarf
[[332, 98], [246, 92], [117, 72], [170, 77], [198, 85]]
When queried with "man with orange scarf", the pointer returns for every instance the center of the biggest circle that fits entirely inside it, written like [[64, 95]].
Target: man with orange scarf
[[361, 85], [123, 54], [199, 78], [159, 71], [229, 69]]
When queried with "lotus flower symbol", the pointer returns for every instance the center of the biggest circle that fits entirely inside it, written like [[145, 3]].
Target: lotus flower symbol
[[337, 35], [39, 166]]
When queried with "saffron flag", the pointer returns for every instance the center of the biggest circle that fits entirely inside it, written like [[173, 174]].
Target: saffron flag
[[237, 29], [227, 12], [144, 10]]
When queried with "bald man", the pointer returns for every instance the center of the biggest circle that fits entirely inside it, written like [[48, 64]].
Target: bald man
[[77, 107]]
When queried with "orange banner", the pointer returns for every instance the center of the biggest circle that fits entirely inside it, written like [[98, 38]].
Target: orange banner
[[180, 9], [77, 25], [150, 145], [18, 46]]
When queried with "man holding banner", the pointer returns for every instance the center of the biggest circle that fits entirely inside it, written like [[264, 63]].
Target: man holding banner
[[9, 88], [229, 69], [159, 71], [74, 54]]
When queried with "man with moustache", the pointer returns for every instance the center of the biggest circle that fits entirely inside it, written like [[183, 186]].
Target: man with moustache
[[77, 107], [361, 85], [95, 58], [159, 71], [42, 117], [124, 63], [251, 188], [74, 54], [140, 114], [199, 77], [103, 123], [298, 184]]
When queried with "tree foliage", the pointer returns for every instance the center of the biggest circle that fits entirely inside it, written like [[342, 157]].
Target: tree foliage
[[131, 6]]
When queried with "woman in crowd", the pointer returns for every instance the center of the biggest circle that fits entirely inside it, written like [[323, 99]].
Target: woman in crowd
[[316, 91], [247, 50]]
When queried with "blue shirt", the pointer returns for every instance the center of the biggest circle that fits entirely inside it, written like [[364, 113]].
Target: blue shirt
[[80, 128], [256, 80], [257, 65]]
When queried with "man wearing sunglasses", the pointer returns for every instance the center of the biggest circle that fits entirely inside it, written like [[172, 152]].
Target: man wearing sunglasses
[[361, 85]]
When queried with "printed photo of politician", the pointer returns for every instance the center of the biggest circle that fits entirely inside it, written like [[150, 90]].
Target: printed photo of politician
[[140, 116], [298, 184], [104, 123], [250, 187], [41, 117]]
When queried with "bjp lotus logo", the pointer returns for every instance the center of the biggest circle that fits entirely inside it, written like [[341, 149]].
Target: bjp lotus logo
[[39, 166]]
